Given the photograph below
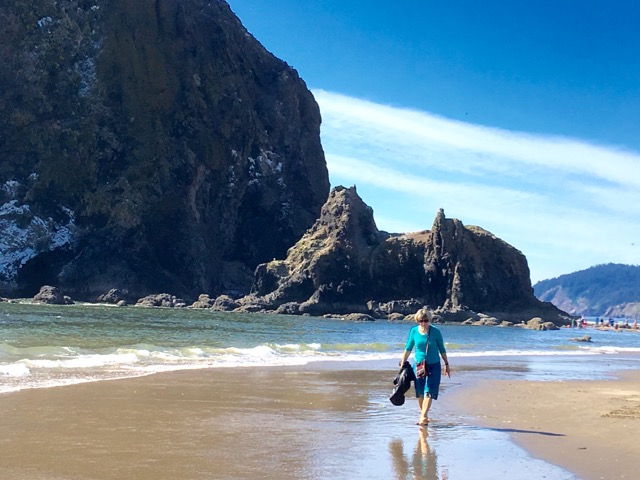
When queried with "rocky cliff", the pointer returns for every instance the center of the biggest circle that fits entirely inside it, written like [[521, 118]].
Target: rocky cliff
[[345, 264], [150, 145]]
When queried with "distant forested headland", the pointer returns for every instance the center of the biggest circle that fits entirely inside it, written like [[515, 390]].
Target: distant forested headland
[[603, 290]]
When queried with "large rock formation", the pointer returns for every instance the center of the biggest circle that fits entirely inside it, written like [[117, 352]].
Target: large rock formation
[[467, 266], [345, 264], [149, 145]]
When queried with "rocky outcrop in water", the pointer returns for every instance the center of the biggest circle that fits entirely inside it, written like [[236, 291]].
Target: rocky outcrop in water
[[344, 264], [161, 300], [52, 296], [148, 145]]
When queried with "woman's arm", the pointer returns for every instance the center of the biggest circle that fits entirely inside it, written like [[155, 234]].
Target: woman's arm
[[446, 364], [407, 348], [405, 357], [443, 354]]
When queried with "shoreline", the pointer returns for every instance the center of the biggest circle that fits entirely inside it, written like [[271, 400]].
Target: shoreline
[[309, 422], [65, 345]]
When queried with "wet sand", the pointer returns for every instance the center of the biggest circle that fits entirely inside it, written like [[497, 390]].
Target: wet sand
[[271, 423], [315, 422], [589, 427]]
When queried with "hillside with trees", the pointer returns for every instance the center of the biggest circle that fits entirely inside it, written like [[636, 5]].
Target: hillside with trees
[[603, 290]]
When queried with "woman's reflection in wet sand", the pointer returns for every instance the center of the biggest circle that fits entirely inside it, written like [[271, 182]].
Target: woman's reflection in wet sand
[[424, 463]]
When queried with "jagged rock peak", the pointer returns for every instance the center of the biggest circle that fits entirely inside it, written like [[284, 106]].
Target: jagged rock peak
[[333, 251], [346, 215], [440, 218], [469, 267]]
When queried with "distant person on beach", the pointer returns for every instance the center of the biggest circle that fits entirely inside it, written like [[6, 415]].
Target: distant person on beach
[[429, 345]]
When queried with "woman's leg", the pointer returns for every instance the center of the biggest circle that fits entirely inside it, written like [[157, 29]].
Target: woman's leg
[[420, 385], [425, 405], [431, 389]]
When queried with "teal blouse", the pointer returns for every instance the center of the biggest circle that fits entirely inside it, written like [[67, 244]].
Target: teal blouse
[[419, 341]]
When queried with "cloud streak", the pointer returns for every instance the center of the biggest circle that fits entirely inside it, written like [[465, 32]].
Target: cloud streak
[[567, 204]]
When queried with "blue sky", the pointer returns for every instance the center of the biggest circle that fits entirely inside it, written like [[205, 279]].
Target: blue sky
[[520, 117]]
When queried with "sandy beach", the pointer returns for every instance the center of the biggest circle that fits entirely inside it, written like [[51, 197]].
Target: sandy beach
[[589, 427], [317, 422]]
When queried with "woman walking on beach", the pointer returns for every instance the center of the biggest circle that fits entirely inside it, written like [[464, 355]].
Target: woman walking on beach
[[429, 345]]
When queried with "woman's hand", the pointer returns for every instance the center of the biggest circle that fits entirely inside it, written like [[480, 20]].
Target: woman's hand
[[447, 370]]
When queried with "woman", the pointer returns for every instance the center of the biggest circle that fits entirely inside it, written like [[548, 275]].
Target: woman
[[427, 386]]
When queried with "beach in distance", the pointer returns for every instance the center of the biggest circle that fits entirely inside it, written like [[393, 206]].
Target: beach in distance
[[104, 393]]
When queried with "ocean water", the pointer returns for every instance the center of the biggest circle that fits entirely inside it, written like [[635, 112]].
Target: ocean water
[[44, 346]]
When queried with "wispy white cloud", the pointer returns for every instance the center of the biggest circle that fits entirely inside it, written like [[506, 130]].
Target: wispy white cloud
[[567, 204]]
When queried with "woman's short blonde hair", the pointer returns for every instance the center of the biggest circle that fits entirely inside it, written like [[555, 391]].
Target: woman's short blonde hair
[[423, 314]]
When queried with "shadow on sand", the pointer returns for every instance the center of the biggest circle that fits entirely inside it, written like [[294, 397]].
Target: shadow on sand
[[535, 432]]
